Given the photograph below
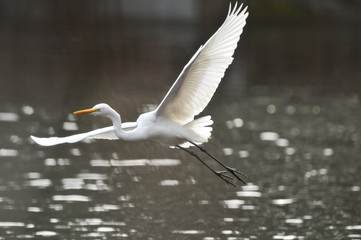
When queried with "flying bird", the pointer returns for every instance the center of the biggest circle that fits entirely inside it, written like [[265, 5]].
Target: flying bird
[[172, 123]]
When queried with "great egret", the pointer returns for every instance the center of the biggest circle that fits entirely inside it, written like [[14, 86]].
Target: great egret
[[172, 123]]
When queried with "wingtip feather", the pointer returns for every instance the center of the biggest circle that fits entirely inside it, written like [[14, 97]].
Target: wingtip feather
[[37, 140], [234, 8], [239, 9], [244, 11]]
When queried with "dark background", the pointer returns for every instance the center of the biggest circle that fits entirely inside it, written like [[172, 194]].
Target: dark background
[[51, 50]]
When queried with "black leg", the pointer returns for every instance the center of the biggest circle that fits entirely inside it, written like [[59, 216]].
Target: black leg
[[221, 174], [233, 171]]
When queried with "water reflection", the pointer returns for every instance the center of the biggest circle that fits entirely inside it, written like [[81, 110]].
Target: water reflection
[[134, 162], [9, 117], [169, 182], [45, 233], [12, 224], [28, 110], [289, 170], [70, 126], [233, 203], [248, 194], [282, 202], [8, 152], [104, 208], [287, 237], [269, 136], [71, 198], [294, 221], [39, 183]]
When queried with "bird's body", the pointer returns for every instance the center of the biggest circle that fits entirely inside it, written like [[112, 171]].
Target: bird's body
[[149, 126], [173, 122]]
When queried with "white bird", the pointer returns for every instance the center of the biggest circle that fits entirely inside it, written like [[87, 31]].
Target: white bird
[[172, 123]]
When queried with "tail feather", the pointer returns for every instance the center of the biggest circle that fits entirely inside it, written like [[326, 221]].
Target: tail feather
[[202, 128]]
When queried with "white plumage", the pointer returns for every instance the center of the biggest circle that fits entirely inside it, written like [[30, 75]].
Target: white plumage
[[198, 81], [101, 133], [172, 123], [192, 90]]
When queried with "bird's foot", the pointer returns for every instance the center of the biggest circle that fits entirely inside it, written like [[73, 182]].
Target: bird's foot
[[234, 172], [225, 177]]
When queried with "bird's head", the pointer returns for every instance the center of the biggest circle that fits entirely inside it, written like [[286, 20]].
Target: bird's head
[[100, 109]]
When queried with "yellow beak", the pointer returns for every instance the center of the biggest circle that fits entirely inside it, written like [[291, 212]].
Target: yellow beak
[[90, 110]]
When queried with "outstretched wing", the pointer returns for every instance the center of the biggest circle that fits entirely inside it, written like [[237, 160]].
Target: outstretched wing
[[198, 81], [101, 133]]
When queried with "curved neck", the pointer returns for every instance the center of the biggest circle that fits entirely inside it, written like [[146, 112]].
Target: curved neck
[[117, 123]]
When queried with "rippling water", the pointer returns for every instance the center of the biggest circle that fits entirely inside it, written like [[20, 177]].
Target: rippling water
[[302, 165], [298, 144]]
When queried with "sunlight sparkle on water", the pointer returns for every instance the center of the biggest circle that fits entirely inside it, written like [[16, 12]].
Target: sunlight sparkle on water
[[75, 152], [71, 198], [129, 163], [290, 110], [315, 172], [227, 151], [285, 237], [243, 154], [28, 110], [228, 219], [145, 162], [70, 126], [238, 122], [328, 152], [248, 207], [354, 236], [248, 194], [50, 162], [135, 162], [271, 109], [282, 201], [8, 117], [294, 221], [40, 183], [164, 162], [290, 151], [32, 175], [269, 136], [34, 209], [59, 162], [282, 142], [169, 182], [45, 233], [190, 232], [105, 229], [353, 227], [250, 187], [8, 152], [72, 183], [54, 220], [227, 232], [104, 208], [95, 222], [233, 203], [12, 224], [92, 176]]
